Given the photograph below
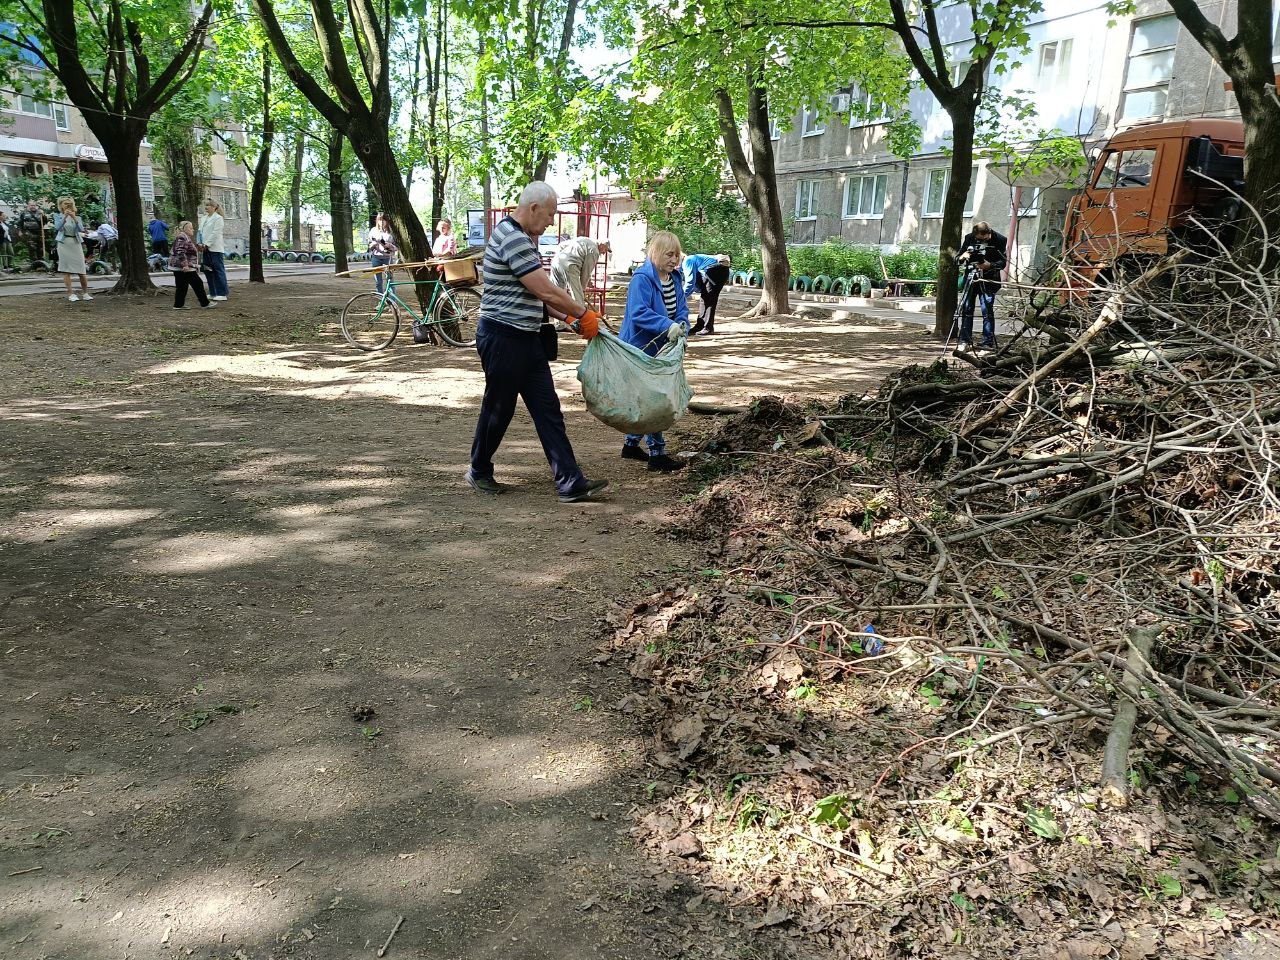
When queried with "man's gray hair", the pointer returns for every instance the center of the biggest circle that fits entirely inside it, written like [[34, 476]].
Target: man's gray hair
[[539, 192]]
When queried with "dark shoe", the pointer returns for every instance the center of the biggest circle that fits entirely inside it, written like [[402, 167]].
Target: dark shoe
[[697, 329], [661, 463], [633, 451], [485, 485], [583, 491]]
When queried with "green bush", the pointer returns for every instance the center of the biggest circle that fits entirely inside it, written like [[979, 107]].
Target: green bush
[[835, 258]]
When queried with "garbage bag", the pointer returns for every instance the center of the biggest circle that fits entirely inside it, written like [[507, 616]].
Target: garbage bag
[[630, 390]]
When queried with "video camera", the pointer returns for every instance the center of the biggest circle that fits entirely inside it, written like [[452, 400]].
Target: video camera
[[980, 252]]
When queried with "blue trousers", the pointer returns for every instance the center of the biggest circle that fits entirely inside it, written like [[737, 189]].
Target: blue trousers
[[217, 271], [986, 299], [515, 366], [379, 279], [656, 441]]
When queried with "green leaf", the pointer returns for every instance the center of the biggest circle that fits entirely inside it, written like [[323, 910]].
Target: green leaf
[[1043, 824], [963, 902], [1170, 885], [832, 811]]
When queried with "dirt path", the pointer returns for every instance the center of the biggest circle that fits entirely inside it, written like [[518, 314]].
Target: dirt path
[[216, 554]]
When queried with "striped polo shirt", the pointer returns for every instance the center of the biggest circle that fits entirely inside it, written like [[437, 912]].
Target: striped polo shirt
[[510, 255], [669, 296]]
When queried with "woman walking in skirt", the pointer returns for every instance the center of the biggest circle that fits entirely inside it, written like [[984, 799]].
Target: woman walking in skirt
[[69, 229]]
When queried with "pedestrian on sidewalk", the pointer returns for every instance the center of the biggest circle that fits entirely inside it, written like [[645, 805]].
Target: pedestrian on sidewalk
[[69, 229], [516, 346], [31, 223], [574, 265], [184, 261], [158, 230], [706, 274], [655, 301], [382, 249], [446, 244], [212, 249], [6, 242]]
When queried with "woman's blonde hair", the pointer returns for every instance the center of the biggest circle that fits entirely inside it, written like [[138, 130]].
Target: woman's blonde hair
[[664, 241], [186, 227], [217, 207], [64, 202], [440, 225]]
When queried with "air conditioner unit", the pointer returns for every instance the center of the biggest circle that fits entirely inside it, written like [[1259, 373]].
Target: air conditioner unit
[[37, 169], [840, 102]]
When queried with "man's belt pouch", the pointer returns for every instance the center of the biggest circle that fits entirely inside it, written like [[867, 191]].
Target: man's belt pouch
[[550, 339]]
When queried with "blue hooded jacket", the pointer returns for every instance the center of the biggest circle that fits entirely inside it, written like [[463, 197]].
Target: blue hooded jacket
[[646, 322], [694, 264]]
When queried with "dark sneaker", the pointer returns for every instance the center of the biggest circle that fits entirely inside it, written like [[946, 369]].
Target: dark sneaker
[[635, 452], [485, 485], [665, 464], [583, 491]]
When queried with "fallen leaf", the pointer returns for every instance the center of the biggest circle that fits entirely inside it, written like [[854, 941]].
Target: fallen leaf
[[683, 845], [775, 915]]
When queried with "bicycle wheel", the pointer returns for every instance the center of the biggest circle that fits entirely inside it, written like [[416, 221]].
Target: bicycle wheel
[[369, 322], [457, 315]]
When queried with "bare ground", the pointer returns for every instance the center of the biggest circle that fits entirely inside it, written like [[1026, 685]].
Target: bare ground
[[274, 676]]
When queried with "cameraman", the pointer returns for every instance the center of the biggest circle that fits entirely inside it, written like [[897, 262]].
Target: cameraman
[[982, 256]]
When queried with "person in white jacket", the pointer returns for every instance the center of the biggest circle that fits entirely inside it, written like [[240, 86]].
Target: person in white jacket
[[575, 265], [212, 249]]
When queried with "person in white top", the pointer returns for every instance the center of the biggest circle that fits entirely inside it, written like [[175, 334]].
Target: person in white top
[[575, 264], [446, 244], [382, 248], [212, 249]]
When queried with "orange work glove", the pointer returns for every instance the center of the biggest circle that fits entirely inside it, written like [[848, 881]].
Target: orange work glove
[[588, 325]]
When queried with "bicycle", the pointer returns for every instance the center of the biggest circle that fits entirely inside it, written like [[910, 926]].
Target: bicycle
[[371, 320]]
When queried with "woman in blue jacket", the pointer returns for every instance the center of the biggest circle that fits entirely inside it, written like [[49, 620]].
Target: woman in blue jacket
[[655, 300]]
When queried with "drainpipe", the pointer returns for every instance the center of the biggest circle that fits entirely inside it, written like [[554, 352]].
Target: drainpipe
[[902, 202], [1013, 233]]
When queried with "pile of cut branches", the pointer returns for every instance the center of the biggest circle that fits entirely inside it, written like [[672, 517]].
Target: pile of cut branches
[[950, 634]]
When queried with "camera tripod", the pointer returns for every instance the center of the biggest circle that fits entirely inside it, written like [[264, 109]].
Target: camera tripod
[[971, 273]]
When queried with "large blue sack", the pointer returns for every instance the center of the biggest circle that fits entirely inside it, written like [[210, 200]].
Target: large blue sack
[[630, 390]]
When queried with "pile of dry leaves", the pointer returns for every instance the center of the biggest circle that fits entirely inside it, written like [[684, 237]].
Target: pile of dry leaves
[[980, 666]]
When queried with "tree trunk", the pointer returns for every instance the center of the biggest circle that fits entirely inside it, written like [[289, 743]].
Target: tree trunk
[[261, 171], [373, 148], [758, 181], [295, 194], [339, 213], [958, 184], [122, 160]]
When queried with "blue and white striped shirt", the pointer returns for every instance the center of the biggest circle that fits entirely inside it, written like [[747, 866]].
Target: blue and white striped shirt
[[510, 255]]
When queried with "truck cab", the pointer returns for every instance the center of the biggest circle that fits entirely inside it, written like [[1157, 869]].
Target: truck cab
[[1145, 190]]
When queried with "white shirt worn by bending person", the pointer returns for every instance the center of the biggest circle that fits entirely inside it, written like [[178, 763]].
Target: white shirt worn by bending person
[[574, 265]]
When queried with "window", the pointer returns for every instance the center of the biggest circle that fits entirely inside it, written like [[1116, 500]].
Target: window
[[864, 197], [1150, 68], [60, 119], [1126, 171], [1029, 202], [28, 104], [867, 110], [959, 71], [775, 128], [807, 200], [12, 171], [810, 125], [1054, 65], [935, 191]]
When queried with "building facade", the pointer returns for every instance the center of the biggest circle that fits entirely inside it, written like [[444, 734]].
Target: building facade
[[1087, 74], [42, 136]]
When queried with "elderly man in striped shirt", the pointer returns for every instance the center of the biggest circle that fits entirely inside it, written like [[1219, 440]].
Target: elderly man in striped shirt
[[516, 345]]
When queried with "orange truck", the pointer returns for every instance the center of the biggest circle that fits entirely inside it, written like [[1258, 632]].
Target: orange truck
[[1147, 192]]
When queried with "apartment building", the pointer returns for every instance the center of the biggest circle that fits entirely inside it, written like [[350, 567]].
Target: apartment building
[[43, 136], [1086, 78]]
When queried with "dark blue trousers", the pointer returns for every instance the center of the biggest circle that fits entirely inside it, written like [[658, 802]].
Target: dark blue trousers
[[986, 300], [515, 366]]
